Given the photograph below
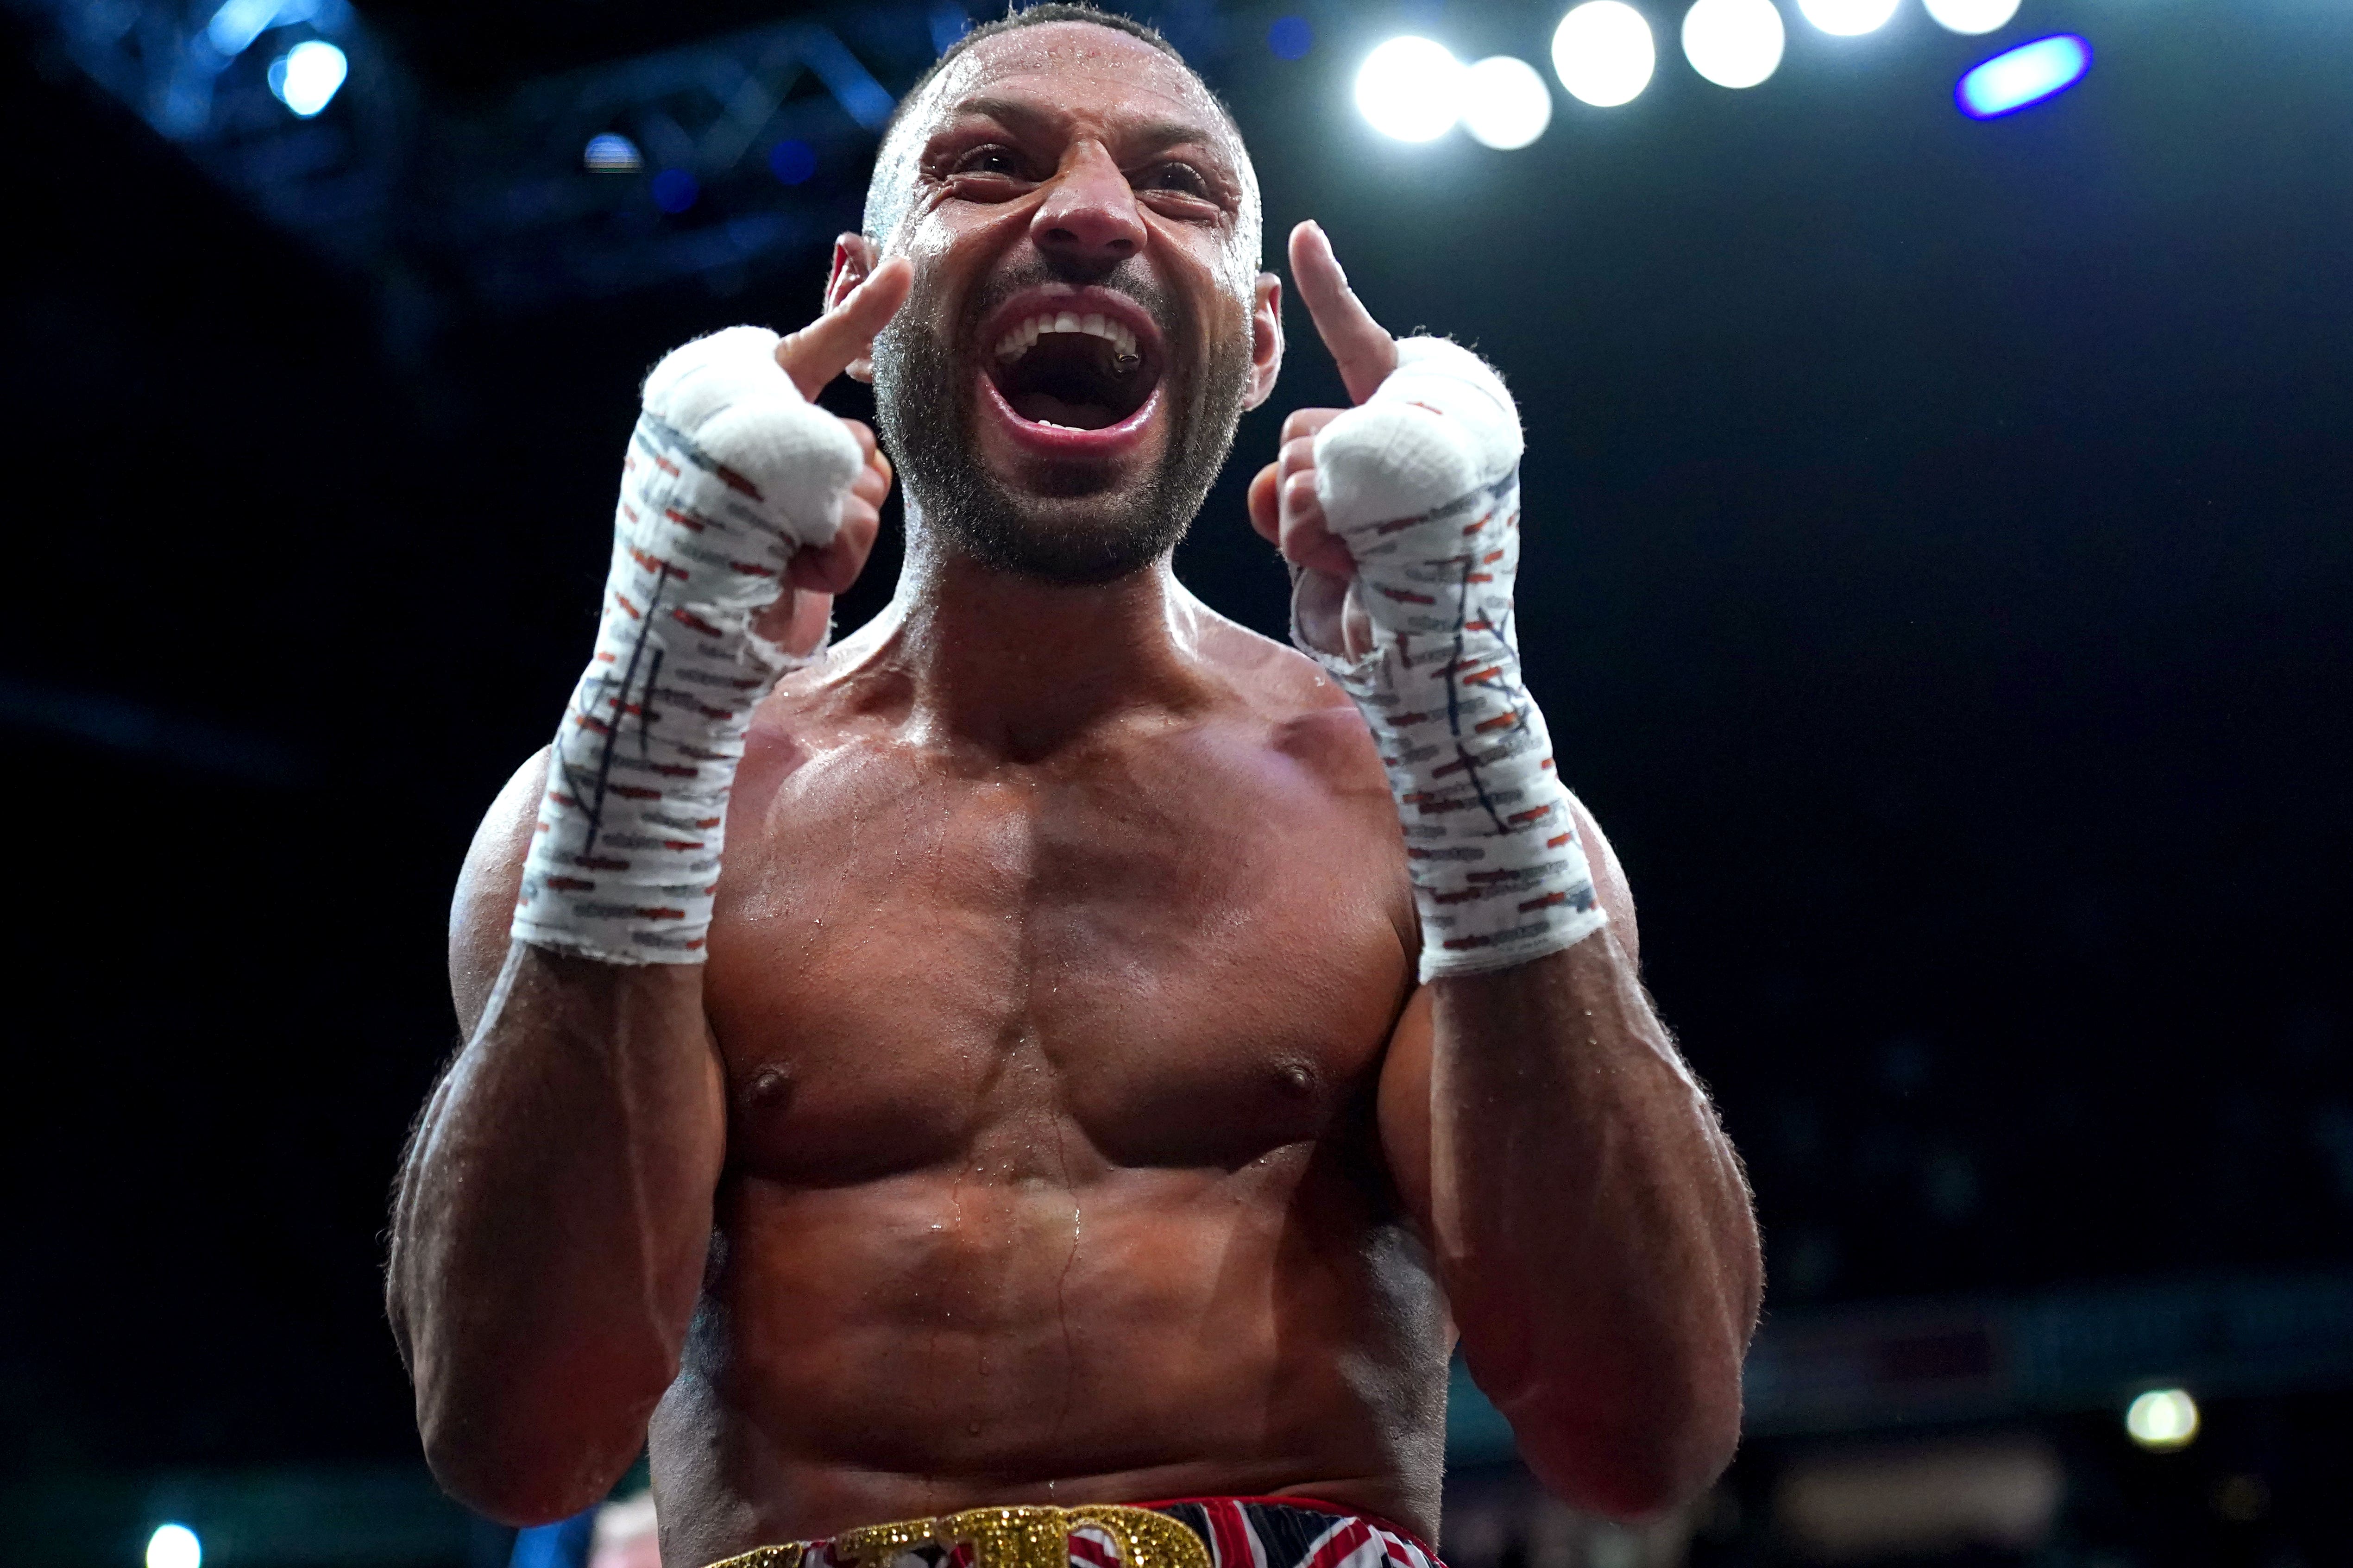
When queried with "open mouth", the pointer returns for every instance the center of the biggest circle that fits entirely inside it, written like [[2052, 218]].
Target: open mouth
[[1073, 370]]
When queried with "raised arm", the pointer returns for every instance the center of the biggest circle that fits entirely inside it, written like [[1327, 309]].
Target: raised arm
[[1588, 1218], [554, 1209], [552, 1214], [1589, 1221]]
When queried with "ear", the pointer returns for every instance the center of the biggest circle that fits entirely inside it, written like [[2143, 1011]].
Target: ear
[[1266, 338], [854, 257]]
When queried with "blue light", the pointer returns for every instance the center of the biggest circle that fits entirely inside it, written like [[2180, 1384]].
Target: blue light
[[306, 76], [675, 190], [2025, 75], [611, 154], [792, 161], [1290, 38]]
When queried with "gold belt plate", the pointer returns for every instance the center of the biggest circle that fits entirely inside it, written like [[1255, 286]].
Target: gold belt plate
[[1034, 1536]]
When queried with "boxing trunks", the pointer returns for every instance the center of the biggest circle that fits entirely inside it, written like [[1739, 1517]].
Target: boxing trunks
[[1188, 1532]]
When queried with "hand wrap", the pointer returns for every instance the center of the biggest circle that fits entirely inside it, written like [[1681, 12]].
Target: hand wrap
[[1421, 482], [728, 471]]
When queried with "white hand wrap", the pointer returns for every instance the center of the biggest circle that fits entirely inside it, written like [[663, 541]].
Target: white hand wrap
[[1423, 484], [730, 471]]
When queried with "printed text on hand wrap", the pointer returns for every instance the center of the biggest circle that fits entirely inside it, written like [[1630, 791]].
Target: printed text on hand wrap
[[729, 472], [1421, 483]]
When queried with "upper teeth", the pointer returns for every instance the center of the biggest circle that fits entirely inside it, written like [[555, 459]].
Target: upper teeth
[[1017, 339]]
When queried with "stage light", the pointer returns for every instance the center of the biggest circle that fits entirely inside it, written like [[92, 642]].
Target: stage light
[[1603, 52], [174, 1546], [1734, 43], [1290, 38], [792, 161], [674, 190], [306, 76], [1848, 18], [611, 154], [1410, 89], [1972, 16], [1505, 103], [2025, 75], [2162, 1419]]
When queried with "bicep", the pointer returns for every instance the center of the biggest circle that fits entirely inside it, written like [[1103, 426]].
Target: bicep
[[1404, 1107], [483, 911]]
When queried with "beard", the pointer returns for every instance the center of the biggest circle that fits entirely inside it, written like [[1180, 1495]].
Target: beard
[[1080, 526]]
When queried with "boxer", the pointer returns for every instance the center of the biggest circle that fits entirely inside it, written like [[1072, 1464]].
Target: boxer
[[1049, 1078]]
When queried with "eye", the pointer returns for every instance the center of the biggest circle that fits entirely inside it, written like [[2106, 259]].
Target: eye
[[990, 161], [1181, 178]]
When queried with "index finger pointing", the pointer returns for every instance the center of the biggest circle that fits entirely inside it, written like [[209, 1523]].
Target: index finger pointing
[[827, 346], [1363, 348]]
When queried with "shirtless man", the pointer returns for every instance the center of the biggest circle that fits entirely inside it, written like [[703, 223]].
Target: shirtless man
[[1097, 1092]]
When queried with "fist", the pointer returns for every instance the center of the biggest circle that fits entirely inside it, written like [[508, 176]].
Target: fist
[[1433, 427], [747, 399]]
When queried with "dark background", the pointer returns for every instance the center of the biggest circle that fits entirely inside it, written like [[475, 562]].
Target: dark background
[[1937, 581]]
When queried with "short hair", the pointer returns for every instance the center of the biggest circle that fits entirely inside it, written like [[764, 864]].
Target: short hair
[[1036, 16]]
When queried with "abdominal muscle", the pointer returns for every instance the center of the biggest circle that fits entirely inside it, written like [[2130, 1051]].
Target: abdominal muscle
[[993, 1333]]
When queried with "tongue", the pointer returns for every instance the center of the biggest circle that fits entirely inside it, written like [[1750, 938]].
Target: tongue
[[1045, 408]]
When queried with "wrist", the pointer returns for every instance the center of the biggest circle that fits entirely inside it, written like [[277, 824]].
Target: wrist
[[1421, 482], [728, 471]]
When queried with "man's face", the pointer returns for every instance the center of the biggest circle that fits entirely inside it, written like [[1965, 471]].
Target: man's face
[[1087, 321]]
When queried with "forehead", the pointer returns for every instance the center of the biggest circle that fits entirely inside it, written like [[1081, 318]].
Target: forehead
[[1075, 72]]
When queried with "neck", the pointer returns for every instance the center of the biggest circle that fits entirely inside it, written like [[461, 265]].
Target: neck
[[1022, 666]]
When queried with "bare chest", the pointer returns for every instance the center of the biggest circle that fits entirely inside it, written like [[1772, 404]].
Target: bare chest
[[1184, 951]]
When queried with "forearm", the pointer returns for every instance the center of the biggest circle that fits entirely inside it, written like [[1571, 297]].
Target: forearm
[[552, 1228], [1591, 1225], [1593, 1230]]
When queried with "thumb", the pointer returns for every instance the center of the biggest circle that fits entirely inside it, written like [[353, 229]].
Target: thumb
[[827, 346], [1363, 348]]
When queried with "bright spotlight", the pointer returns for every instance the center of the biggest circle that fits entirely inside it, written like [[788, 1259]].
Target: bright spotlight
[[1410, 89], [1972, 16], [1848, 18], [2163, 1418], [308, 76], [611, 154], [1505, 103], [2025, 75], [1734, 43], [174, 1546], [1603, 54]]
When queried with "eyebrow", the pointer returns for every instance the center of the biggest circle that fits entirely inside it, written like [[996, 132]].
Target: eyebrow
[[1155, 135]]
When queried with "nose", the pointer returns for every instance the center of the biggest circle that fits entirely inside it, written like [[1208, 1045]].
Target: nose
[[1090, 216]]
